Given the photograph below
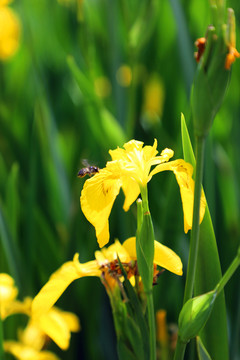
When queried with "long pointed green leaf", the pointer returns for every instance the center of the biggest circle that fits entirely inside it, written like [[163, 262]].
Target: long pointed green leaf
[[202, 352], [10, 250], [208, 273]]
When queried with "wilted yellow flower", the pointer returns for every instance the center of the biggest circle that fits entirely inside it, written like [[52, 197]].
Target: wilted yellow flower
[[9, 31], [105, 263], [130, 169]]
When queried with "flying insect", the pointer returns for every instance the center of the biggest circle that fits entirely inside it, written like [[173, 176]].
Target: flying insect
[[89, 170]]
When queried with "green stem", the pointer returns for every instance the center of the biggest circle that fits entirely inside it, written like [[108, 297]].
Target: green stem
[[180, 350], [192, 261], [1, 340], [228, 274], [152, 327], [194, 242]]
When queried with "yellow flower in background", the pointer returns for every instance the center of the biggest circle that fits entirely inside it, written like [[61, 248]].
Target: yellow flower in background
[[130, 169], [8, 293], [104, 265], [124, 75], [29, 345], [56, 324], [9, 31], [154, 97]]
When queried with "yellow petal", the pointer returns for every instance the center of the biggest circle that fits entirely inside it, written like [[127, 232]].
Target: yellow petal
[[70, 319], [131, 191], [32, 336], [167, 258], [17, 307], [183, 172], [111, 253], [163, 256], [97, 198], [9, 32], [53, 325], [54, 288], [24, 352], [5, 2], [58, 283], [8, 291]]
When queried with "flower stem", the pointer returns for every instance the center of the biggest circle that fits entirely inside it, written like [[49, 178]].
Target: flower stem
[[152, 327], [193, 253], [228, 274]]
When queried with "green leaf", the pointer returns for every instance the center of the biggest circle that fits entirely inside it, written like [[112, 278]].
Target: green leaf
[[208, 273], [12, 199], [201, 350], [11, 251], [104, 126]]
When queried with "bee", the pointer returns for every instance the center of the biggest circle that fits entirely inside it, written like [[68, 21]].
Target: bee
[[89, 170]]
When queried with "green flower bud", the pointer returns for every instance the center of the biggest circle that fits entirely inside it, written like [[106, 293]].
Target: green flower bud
[[210, 83], [216, 53], [194, 315]]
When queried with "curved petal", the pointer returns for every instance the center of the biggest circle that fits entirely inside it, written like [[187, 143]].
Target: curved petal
[[54, 288], [183, 172], [71, 320], [54, 325], [167, 258], [59, 281], [131, 191], [163, 256], [97, 198]]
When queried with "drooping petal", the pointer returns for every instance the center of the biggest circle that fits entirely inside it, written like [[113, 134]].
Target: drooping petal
[[131, 191], [54, 288], [54, 326], [97, 198], [71, 320], [163, 256], [58, 283], [167, 258], [183, 172]]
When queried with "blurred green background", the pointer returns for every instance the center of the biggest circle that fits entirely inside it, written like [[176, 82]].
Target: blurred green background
[[89, 76]]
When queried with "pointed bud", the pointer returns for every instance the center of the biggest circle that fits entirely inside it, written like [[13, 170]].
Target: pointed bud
[[194, 315], [215, 55]]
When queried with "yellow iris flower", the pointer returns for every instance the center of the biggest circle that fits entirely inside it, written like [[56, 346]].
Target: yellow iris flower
[[56, 324], [130, 169], [104, 263], [29, 346], [9, 31]]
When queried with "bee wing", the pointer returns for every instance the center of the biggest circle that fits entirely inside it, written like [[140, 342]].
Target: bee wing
[[85, 163]]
